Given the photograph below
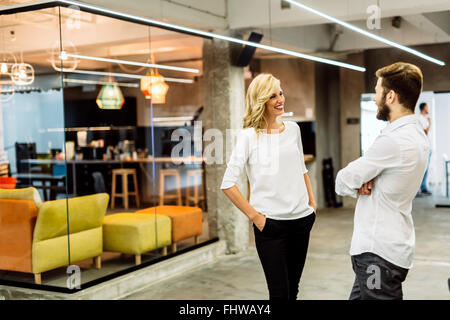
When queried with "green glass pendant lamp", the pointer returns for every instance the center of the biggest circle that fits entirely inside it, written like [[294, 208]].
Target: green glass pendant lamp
[[110, 97]]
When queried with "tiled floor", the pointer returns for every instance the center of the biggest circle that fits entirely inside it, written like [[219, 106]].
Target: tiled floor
[[328, 273]]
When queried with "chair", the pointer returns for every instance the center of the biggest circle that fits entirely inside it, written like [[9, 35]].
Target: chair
[[34, 236], [124, 173], [99, 182], [26, 151], [162, 192], [194, 179]]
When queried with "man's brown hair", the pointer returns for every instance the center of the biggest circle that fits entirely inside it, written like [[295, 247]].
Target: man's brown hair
[[405, 79]]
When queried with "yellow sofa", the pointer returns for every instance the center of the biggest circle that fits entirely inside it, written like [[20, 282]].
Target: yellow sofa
[[22, 215]]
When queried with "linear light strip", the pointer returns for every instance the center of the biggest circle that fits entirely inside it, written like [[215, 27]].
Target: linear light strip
[[367, 34], [131, 63], [125, 75], [81, 81], [212, 35]]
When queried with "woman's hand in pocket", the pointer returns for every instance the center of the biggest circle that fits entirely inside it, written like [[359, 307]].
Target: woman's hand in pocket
[[260, 221], [313, 205]]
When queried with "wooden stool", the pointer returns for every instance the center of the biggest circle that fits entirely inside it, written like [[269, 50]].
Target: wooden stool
[[162, 176], [193, 175], [4, 170], [125, 193]]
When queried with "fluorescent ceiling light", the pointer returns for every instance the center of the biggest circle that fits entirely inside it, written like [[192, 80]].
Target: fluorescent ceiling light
[[131, 63], [367, 34], [126, 75], [152, 22], [82, 81]]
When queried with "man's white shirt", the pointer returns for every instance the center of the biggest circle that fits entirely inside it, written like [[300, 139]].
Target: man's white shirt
[[397, 160]]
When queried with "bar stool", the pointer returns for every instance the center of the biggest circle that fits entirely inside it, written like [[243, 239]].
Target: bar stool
[[162, 177], [125, 193], [193, 176]]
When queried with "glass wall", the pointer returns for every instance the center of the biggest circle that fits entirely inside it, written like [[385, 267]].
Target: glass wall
[[33, 236], [100, 126]]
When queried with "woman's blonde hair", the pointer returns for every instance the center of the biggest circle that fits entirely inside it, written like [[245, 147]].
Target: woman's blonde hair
[[258, 93]]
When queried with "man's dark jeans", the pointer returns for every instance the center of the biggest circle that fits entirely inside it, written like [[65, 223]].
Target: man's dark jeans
[[376, 278]]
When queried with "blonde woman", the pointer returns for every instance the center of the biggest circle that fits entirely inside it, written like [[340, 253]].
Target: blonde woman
[[282, 206]]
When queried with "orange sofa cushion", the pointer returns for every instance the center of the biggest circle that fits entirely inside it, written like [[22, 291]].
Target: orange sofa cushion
[[17, 221], [186, 221]]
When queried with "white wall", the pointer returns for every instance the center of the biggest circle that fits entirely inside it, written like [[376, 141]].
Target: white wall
[[2, 144], [428, 98], [33, 117], [370, 125], [441, 124]]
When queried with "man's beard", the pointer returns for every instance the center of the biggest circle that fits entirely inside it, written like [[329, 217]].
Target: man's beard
[[383, 111]]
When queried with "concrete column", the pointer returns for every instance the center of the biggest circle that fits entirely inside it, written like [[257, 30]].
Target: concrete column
[[352, 86], [224, 105], [327, 123]]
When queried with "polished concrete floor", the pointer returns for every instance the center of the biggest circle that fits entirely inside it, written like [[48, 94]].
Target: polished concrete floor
[[328, 273]]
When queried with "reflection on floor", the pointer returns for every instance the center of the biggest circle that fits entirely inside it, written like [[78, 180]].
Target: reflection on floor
[[111, 262], [328, 273]]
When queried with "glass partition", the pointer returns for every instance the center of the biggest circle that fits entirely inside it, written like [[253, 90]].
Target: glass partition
[[33, 206], [108, 127]]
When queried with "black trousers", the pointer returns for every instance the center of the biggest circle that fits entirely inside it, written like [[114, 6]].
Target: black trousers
[[376, 278], [282, 248]]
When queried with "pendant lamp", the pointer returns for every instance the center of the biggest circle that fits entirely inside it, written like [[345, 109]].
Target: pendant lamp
[[110, 97], [154, 87]]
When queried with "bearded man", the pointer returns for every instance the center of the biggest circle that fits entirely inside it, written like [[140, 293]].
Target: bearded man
[[386, 180]]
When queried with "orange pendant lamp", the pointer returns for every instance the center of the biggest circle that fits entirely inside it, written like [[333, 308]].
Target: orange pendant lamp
[[153, 85]]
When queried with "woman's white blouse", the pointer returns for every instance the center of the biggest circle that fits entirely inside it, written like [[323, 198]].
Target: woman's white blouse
[[275, 166]]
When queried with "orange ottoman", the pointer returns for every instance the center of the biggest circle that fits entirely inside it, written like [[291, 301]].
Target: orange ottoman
[[186, 221]]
